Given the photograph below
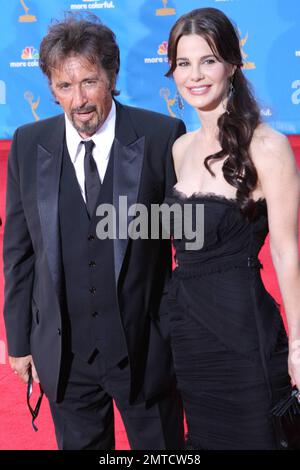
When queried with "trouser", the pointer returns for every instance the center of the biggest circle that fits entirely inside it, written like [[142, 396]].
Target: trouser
[[84, 419]]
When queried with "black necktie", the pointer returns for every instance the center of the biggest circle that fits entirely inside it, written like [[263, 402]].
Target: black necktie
[[92, 180]]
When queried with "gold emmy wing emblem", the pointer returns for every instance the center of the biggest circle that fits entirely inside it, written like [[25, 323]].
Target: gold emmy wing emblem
[[247, 65], [165, 93], [26, 18], [165, 11], [33, 105]]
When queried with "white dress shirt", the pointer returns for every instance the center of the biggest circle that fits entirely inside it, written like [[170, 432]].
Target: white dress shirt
[[103, 140]]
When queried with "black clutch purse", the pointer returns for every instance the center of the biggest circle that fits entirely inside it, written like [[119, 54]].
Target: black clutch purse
[[286, 421]]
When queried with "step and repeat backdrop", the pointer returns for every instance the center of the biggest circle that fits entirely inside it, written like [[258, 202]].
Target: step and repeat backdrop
[[269, 35]]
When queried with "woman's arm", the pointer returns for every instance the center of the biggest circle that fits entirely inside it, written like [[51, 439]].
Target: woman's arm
[[280, 184]]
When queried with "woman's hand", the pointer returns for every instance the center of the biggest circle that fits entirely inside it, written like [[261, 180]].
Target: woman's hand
[[294, 362]]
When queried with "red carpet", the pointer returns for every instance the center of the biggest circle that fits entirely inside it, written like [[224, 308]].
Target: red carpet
[[16, 431]]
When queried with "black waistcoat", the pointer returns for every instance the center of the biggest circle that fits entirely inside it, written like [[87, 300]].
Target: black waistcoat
[[90, 287]]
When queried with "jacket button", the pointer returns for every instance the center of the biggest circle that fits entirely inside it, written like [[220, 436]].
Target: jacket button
[[59, 331], [284, 443], [92, 264], [93, 290], [91, 238], [95, 314]]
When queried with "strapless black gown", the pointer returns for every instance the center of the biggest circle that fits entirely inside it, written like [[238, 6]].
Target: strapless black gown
[[229, 342]]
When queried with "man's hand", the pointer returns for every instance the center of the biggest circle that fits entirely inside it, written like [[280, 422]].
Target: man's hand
[[21, 366]]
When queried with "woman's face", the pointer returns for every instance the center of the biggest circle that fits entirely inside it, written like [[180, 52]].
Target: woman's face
[[201, 79]]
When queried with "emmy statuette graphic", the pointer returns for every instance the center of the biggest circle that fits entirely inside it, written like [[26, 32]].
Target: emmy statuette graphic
[[247, 65], [33, 104], [26, 18], [165, 93], [165, 11]]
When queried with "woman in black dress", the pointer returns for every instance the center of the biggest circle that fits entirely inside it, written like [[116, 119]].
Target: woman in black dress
[[232, 356]]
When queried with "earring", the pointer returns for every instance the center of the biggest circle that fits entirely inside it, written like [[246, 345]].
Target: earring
[[231, 89], [229, 96], [225, 107], [179, 103]]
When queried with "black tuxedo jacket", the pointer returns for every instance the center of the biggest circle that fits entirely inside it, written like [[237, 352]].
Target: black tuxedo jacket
[[143, 171]]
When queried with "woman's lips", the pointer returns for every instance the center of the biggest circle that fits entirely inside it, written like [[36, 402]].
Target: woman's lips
[[199, 90]]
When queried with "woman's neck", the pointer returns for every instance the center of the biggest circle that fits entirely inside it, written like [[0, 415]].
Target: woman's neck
[[209, 123]]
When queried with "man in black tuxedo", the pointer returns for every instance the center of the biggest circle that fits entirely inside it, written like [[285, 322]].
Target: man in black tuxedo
[[87, 315]]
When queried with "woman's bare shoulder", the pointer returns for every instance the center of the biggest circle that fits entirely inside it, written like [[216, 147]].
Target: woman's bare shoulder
[[182, 143], [269, 147]]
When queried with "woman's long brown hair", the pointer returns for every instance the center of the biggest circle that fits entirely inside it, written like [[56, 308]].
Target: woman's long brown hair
[[241, 116]]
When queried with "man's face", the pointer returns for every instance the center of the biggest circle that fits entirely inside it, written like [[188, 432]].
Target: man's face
[[84, 92]]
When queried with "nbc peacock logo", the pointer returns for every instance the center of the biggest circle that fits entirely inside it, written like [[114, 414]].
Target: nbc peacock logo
[[30, 53], [163, 48], [29, 56]]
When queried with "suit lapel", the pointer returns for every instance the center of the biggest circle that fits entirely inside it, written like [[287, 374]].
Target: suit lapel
[[128, 151], [49, 161], [128, 161]]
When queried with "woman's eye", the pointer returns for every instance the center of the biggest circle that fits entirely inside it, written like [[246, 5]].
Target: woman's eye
[[210, 61]]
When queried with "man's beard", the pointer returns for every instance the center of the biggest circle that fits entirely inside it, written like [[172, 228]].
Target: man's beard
[[89, 127]]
